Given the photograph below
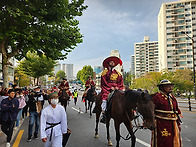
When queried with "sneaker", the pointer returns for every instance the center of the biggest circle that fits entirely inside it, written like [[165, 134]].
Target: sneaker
[[35, 136], [8, 144], [29, 139]]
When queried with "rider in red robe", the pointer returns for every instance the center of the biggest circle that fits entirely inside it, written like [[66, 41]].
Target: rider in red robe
[[167, 132], [88, 84], [64, 85], [111, 79]]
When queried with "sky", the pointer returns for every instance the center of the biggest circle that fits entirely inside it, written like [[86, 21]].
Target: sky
[[114, 24]]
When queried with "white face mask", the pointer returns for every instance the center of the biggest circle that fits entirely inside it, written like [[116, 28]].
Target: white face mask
[[54, 101], [21, 95], [18, 96]]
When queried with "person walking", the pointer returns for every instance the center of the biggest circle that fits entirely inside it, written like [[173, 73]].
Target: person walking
[[53, 123], [167, 132], [9, 108], [111, 80], [35, 107], [75, 95], [22, 104]]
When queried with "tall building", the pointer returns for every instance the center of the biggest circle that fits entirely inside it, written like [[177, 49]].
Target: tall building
[[175, 47], [133, 64], [146, 56], [68, 69]]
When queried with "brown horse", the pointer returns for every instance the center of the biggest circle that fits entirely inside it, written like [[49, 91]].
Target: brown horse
[[122, 107], [63, 98]]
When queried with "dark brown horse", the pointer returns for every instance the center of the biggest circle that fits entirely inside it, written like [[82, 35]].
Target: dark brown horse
[[90, 98], [63, 98], [122, 107]]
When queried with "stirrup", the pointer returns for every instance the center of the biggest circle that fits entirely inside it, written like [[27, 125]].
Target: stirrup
[[103, 119]]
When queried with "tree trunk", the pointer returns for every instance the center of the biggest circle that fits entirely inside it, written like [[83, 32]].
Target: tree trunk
[[5, 76], [38, 81]]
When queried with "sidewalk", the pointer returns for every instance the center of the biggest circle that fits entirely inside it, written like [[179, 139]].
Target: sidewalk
[[3, 136]]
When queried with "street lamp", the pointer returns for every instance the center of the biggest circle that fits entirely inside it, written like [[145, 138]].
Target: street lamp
[[193, 60]]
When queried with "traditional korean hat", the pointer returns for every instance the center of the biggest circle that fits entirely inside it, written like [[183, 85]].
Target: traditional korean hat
[[52, 95], [165, 82], [112, 58]]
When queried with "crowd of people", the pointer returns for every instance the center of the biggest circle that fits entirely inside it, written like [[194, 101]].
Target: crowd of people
[[16, 103]]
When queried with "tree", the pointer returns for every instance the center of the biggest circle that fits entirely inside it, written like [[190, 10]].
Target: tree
[[47, 26], [36, 66], [21, 79], [59, 75], [85, 73]]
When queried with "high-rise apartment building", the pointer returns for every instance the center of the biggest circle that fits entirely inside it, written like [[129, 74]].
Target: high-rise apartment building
[[68, 69], [133, 64], [146, 56], [175, 47]]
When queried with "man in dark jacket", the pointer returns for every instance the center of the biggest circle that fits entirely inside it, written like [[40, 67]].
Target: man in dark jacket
[[34, 110], [9, 107]]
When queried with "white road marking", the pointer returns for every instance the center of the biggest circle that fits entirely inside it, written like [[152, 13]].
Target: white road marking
[[79, 111], [142, 142], [187, 139]]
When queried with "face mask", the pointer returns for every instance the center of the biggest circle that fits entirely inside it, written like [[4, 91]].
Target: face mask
[[21, 95], [18, 96], [54, 101], [37, 91]]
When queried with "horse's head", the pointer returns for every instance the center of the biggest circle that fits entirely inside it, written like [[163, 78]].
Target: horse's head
[[91, 93], [146, 109]]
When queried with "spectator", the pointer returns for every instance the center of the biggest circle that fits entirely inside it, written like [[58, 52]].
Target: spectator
[[9, 107]]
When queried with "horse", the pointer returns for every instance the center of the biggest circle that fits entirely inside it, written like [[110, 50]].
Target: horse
[[63, 98], [122, 111], [89, 99]]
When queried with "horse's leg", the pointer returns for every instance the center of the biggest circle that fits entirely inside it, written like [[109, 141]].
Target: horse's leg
[[108, 132], [98, 113], [85, 105], [130, 129], [117, 128], [91, 104]]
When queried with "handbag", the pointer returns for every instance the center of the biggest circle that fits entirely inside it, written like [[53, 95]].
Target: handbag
[[66, 137]]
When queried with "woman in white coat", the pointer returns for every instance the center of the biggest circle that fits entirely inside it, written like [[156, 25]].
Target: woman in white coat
[[53, 123]]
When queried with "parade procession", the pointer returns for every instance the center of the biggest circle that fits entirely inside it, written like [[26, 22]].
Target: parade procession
[[76, 73]]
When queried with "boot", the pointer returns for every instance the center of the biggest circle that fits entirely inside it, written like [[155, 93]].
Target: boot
[[103, 117]]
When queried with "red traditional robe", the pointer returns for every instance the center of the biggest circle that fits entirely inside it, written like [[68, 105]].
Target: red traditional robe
[[64, 85], [166, 132], [88, 82], [108, 80]]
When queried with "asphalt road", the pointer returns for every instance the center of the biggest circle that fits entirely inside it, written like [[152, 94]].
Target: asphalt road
[[82, 127]]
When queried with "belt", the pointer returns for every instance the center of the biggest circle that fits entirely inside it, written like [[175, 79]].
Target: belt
[[51, 126], [167, 115]]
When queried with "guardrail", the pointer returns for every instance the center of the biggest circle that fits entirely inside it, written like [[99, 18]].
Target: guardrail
[[191, 103]]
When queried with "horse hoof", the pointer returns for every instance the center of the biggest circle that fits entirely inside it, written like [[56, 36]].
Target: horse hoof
[[96, 136], [110, 143], [90, 116]]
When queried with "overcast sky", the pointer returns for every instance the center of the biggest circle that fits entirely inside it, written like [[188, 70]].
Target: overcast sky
[[114, 24]]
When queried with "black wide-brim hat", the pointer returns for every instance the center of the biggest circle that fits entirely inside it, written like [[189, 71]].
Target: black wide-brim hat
[[112, 58], [165, 82]]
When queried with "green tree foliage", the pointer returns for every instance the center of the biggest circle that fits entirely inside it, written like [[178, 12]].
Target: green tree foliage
[[127, 78], [20, 78], [36, 66], [85, 73], [59, 75], [181, 78], [45, 26]]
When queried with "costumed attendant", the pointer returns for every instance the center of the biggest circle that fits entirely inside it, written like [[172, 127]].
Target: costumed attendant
[[111, 80], [88, 84], [167, 132], [53, 122]]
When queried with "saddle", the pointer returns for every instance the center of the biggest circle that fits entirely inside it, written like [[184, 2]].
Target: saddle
[[109, 102]]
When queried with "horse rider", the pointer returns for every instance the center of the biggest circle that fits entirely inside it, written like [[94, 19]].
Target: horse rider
[[111, 80], [167, 118], [53, 122], [64, 86], [88, 85]]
